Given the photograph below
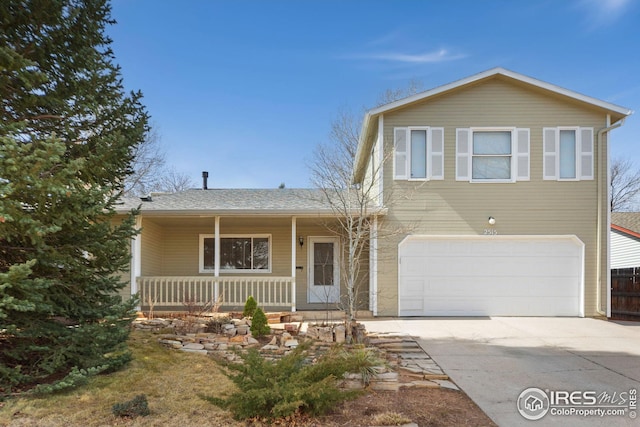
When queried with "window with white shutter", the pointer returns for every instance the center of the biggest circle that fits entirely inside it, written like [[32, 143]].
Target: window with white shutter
[[418, 153], [436, 164], [568, 153], [400, 153], [586, 154], [550, 149], [522, 154], [463, 146]]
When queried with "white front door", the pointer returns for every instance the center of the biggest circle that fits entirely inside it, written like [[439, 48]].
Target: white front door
[[324, 273]]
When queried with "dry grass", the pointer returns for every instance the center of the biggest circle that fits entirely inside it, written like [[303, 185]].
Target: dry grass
[[171, 380]]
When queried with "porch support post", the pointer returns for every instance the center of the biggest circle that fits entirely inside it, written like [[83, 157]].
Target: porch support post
[[294, 248], [136, 259], [216, 261]]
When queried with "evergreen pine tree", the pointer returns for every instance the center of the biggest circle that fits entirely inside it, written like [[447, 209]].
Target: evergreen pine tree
[[67, 131]]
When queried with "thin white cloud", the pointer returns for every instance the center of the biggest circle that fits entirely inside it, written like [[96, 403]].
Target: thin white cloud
[[601, 13], [441, 55]]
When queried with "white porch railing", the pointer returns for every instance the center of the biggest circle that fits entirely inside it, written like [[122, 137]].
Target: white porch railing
[[180, 291]]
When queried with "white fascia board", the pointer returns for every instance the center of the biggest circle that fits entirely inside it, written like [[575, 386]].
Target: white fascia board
[[507, 73], [212, 213]]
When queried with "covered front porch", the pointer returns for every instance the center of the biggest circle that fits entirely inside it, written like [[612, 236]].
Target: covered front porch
[[284, 262]]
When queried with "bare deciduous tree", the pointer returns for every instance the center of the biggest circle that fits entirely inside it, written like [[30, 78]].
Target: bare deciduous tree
[[148, 162], [625, 185], [390, 95], [355, 205], [172, 181], [150, 172]]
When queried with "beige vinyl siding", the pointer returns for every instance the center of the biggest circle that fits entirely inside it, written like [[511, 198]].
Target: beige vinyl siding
[[151, 248], [523, 208], [180, 244], [317, 228]]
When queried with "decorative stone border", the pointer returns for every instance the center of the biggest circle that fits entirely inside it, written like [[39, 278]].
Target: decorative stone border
[[406, 359]]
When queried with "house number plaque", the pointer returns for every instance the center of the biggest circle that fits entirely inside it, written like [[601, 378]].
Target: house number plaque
[[490, 232]]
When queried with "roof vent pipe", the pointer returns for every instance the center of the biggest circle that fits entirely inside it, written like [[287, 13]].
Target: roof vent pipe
[[205, 175]]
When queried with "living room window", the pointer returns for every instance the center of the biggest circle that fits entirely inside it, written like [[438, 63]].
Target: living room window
[[492, 154], [238, 253]]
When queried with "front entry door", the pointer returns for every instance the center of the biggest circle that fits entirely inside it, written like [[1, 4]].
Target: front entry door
[[324, 273]]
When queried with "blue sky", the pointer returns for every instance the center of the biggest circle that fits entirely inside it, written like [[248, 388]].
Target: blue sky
[[246, 89]]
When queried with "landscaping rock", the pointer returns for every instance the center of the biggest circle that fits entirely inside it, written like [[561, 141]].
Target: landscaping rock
[[291, 343], [193, 346], [340, 333], [325, 334], [270, 347]]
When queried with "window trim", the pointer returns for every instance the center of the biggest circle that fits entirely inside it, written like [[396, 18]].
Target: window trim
[[202, 270], [577, 151], [553, 156], [512, 155], [430, 156]]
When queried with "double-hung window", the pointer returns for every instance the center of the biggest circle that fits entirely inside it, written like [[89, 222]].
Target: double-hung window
[[238, 254], [568, 153], [492, 154], [418, 153]]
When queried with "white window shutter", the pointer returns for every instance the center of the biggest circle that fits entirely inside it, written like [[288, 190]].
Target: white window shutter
[[586, 153], [400, 154], [522, 155], [436, 153], [550, 153], [463, 150]]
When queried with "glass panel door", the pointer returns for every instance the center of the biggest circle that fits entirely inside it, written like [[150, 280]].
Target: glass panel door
[[324, 286]]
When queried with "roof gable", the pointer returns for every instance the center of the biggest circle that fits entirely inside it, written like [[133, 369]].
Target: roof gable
[[494, 72], [370, 122]]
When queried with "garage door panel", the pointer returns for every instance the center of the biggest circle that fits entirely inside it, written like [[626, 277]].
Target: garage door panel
[[516, 276]]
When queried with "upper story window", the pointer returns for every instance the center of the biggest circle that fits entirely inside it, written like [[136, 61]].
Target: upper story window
[[568, 153], [238, 254], [492, 154], [418, 153]]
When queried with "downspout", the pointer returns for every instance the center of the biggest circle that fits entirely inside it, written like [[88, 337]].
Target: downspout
[[601, 133]]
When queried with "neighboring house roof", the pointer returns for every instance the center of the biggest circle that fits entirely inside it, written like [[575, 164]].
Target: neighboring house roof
[[370, 122], [626, 222], [231, 201]]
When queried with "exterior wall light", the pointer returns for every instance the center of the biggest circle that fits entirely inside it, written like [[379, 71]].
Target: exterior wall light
[[492, 220], [301, 241]]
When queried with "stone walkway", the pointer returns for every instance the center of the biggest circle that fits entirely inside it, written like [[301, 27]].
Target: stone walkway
[[416, 368]]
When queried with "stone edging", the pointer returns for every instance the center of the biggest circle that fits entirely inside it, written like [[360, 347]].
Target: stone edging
[[410, 365]]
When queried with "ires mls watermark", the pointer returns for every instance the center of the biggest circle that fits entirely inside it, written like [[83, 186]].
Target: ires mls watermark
[[534, 403]]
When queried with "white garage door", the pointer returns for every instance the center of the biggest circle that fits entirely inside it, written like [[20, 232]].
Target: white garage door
[[491, 276]]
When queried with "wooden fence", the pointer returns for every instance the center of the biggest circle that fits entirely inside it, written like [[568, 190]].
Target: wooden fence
[[625, 293]]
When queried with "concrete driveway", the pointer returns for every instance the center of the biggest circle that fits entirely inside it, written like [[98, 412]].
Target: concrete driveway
[[495, 359]]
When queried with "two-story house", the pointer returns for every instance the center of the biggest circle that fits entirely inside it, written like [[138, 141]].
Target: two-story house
[[496, 186], [501, 183]]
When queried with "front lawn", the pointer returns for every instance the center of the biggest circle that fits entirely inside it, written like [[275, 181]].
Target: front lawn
[[171, 380]]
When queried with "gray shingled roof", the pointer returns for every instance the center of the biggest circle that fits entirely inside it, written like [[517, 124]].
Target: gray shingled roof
[[628, 220], [230, 200]]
